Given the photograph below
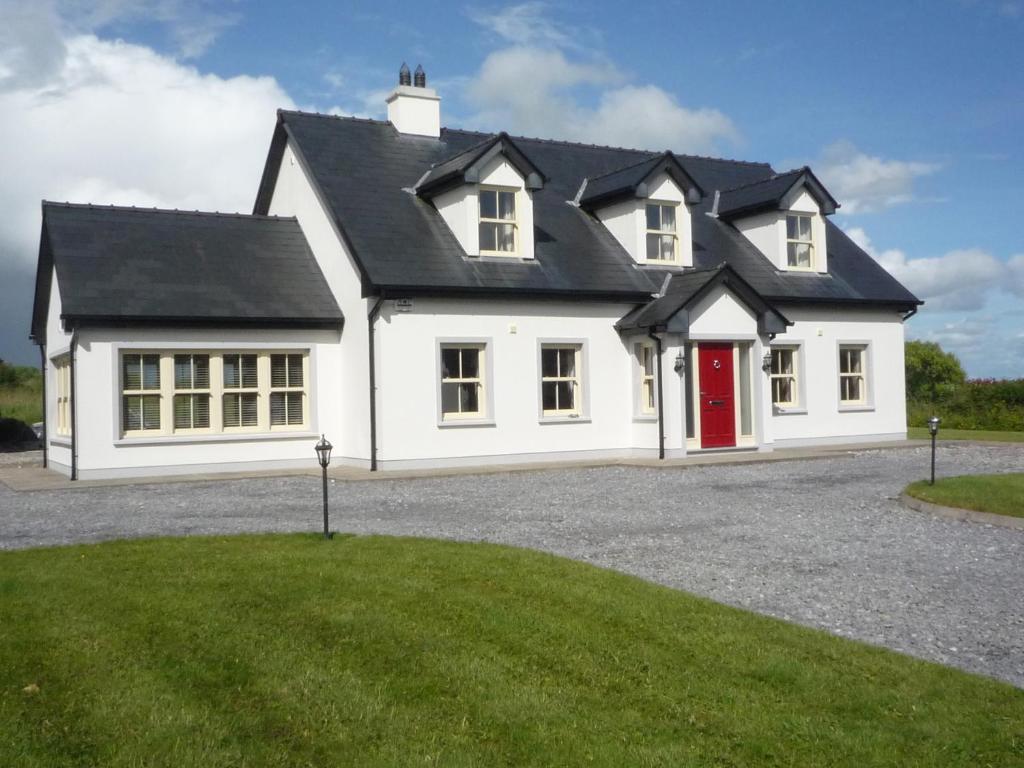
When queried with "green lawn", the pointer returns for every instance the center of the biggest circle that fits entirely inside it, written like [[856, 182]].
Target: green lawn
[[367, 651], [21, 403], [1001, 494], [921, 433]]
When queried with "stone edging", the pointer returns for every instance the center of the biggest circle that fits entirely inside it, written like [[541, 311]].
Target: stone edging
[[956, 513]]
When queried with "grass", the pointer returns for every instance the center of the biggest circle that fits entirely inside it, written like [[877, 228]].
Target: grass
[[999, 494], [372, 651], [22, 403], [921, 433]]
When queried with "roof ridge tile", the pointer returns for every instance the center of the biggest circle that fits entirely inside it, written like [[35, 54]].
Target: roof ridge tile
[[154, 209]]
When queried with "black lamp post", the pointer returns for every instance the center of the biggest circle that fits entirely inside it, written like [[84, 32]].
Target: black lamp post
[[323, 455], [933, 428]]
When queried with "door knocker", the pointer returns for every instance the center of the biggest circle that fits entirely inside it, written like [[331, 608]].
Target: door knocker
[[717, 364]]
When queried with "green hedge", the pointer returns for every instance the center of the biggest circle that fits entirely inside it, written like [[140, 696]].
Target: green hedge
[[976, 404]]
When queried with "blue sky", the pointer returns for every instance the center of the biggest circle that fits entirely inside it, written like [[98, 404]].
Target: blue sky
[[911, 113]]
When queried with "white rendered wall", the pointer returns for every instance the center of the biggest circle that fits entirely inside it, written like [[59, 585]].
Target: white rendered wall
[[767, 231], [408, 375], [627, 221], [294, 196], [820, 332], [102, 452], [58, 342]]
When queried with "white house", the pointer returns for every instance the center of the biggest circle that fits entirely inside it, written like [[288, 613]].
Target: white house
[[431, 297]]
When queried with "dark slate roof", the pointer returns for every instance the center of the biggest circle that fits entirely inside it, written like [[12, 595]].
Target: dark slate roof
[[629, 181], [687, 288], [460, 169], [149, 266], [769, 193], [364, 171]]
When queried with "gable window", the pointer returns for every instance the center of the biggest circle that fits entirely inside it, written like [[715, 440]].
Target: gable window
[[785, 390], [62, 377], [799, 241], [462, 381], [241, 391], [287, 392], [560, 379], [191, 392], [140, 393], [852, 374], [645, 359], [497, 221], [662, 239]]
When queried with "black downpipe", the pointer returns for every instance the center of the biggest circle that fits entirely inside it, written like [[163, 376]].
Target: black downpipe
[[74, 405], [42, 366], [661, 400], [372, 318]]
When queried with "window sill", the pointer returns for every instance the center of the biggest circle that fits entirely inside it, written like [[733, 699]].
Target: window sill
[[217, 438], [62, 442], [646, 418], [855, 408], [790, 411], [563, 420], [466, 423]]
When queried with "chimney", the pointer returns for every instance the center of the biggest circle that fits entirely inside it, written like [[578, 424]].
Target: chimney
[[414, 109]]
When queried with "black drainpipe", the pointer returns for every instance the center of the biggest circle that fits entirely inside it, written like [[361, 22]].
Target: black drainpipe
[[74, 405], [661, 400], [372, 318], [42, 366]]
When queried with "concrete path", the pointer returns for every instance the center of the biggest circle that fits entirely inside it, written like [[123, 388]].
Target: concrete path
[[822, 542]]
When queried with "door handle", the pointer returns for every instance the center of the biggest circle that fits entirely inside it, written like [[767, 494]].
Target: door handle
[[716, 402]]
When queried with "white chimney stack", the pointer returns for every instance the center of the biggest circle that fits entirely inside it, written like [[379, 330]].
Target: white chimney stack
[[412, 107]]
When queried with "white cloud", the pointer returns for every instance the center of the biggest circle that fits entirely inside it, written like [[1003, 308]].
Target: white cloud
[[863, 182], [553, 106], [119, 123], [524, 24], [1016, 269]]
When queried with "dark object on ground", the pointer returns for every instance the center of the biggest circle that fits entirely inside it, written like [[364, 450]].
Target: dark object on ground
[[17, 436]]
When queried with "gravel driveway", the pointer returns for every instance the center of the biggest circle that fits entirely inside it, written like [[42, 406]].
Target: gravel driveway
[[822, 542]]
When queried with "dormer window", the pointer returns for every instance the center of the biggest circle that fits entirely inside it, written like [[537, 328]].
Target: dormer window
[[662, 238], [497, 221], [799, 241]]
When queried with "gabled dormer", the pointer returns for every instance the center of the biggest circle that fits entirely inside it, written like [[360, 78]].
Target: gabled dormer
[[783, 216], [485, 196], [646, 207]]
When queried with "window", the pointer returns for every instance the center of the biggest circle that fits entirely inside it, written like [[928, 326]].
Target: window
[[560, 379], [497, 221], [799, 241], [287, 393], [462, 381], [140, 393], [62, 376], [241, 391], [661, 232], [852, 372], [191, 392], [645, 359], [784, 377], [210, 392]]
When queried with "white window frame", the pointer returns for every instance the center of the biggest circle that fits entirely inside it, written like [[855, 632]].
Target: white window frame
[[514, 221], [159, 392], [795, 351], [797, 241], [480, 380], [579, 410], [191, 392], [486, 401], [62, 392], [288, 389], [646, 381], [216, 392], [674, 232], [866, 390]]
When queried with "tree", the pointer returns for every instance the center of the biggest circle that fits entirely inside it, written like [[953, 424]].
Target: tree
[[931, 372]]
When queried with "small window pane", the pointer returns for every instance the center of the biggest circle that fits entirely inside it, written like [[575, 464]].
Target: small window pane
[[566, 362], [132, 413], [549, 362], [782, 390], [151, 412], [201, 371], [232, 413], [470, 363], [488, 204], [231, 372], [668, 248], [488, 237], [566, 390], [151, 371], [182, 411], [653, 246], [278, 409], [450, 363], [791, 228], [799, 254], [249, 371], [507, 203], [249, 410], [549, 396], [648, 360], [668, 218], [805, 227], [449, 398], [278, 371], [295, 370], [653, 216], [506, 237], [200, 411], [183, 371], [649, 395], [468, 398], [132, 372], [295, 407]]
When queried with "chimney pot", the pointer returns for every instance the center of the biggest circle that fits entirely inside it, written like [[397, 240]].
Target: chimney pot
[[404, 78], [420, 80]]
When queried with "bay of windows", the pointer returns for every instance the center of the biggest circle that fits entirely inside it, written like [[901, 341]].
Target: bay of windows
[[497, 221], [173, 392], [661, 232], [799, 241]]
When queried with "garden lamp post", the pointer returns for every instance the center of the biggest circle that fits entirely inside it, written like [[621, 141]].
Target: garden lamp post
[[323, 455], [933, 428]]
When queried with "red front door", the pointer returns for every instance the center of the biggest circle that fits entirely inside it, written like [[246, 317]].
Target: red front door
[[717, 405]]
